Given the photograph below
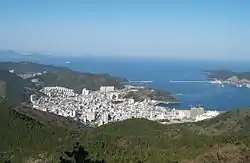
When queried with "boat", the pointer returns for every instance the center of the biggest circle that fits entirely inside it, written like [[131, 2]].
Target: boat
[[178, 94], [67, 62], [239, 85]]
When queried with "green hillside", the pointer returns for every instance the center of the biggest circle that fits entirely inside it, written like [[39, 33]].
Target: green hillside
[[63, 76], [226, 74], [14, 86], [77, 80], [24, 139], [234, 122], [39, 138]]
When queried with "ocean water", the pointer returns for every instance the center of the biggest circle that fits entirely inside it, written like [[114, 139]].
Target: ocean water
[[162, 71]]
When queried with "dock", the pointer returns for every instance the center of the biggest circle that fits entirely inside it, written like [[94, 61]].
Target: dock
[[188, 81], [140, 81]]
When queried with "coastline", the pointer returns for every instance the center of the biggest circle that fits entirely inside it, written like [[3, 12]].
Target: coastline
[[239, 79]]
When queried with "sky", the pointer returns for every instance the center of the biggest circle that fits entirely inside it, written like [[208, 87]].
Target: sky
[[137, 28]]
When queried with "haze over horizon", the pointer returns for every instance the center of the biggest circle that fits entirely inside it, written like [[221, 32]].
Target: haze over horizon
[[198, 29]]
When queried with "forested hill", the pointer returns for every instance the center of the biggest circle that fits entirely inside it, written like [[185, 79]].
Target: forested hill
[[62, 76], [36, 138], [49, 75], [12, 87]]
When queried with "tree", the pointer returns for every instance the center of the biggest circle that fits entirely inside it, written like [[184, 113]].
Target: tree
[[78, 155]]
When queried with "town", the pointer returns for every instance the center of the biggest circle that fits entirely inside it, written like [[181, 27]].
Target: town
[[233, 80], [95, 108]]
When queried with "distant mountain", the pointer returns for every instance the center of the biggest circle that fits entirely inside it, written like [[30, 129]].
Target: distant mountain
[[11, 55]]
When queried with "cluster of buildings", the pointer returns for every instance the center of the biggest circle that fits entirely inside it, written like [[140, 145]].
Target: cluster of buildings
[[234, 80], [107, 105], [31, 75]]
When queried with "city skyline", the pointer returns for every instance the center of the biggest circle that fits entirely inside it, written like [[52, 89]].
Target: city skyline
[[199, 30]]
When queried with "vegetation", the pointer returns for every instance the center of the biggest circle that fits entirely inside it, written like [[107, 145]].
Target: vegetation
[[24, 139], [77, 80], [13, 87], [19, 89], [154, 94], [62, 76], [78, 155], [225, 74], [37, 139], [28, 135]]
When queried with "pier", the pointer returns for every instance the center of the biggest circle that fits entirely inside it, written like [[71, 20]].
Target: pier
[[140, 81], [188, 81]]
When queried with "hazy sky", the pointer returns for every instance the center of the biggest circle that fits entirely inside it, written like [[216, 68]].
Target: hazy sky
[[167, 28]]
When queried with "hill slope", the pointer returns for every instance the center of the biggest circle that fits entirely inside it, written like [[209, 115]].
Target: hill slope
[[32, 135], [13, 87], [62, 76], [226, 74], [134, 140], [234, 122]]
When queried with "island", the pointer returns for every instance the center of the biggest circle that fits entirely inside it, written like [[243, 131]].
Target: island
[[239, 79]]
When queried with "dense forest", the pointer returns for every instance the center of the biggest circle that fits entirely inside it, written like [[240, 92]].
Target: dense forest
[[25, 139]]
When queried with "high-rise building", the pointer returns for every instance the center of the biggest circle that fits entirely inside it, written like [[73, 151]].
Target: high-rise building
[[107, 89], [91, 115], [85, 92], [196, 111]]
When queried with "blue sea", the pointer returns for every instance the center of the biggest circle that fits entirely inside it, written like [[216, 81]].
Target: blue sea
[[211, 97]]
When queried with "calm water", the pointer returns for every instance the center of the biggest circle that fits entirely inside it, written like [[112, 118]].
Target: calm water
[[161, 72]]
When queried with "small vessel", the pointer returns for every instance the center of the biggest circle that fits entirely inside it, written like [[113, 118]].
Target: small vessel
[[67, 62], [178, 94], [239, 85], [222, 85]]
